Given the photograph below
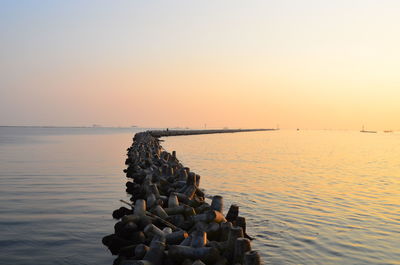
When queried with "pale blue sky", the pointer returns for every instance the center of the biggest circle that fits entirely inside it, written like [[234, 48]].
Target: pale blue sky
[[314, 64]]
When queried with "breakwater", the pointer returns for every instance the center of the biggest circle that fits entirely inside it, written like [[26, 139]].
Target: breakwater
[[164, 133], [168, 220]]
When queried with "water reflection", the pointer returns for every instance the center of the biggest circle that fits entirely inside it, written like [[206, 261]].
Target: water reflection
[[315, 197], [58, 188], [310, 197]]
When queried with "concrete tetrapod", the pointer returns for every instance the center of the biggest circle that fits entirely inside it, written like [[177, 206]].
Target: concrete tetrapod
[[169, 221]]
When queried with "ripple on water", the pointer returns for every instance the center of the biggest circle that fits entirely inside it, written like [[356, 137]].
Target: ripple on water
[[319, 197], [324, 194]]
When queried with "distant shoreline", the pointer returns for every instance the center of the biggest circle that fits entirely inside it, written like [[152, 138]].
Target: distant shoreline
[[50, 126]]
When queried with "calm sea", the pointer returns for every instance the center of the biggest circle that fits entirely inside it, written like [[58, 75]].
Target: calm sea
[[310, 197]]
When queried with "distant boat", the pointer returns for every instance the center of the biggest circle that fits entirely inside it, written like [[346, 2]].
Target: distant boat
[[387, 131], [133, 126], [365, 131]]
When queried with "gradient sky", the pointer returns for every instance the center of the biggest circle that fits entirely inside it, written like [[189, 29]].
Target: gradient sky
[[309, 64]]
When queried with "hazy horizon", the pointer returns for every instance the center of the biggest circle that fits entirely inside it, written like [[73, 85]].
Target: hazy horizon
[[186, 127], [299, 64]]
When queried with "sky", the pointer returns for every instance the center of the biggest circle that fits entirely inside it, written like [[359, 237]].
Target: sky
[[312, 64]]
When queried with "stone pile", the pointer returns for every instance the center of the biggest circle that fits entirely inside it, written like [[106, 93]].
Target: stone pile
[[169, 221]]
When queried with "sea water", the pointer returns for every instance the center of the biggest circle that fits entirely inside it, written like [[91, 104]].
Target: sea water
[[309, 197]]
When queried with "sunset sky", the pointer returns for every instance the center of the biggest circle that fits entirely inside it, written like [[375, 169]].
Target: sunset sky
[[307, 64]]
